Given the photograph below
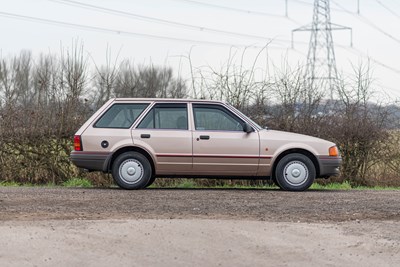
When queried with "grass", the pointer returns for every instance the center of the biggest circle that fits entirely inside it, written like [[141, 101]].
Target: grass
[[188, 183], [10, 184], [332, 186], [77, 182], [73, 182], [191, 183]]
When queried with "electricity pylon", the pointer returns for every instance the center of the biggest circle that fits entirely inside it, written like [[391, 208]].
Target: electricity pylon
[[321, 61]]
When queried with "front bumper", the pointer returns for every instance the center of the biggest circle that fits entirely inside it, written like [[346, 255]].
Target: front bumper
[[329, 166], [92, 161]]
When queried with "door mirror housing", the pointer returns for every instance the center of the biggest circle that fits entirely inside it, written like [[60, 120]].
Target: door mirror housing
[[247, 128]]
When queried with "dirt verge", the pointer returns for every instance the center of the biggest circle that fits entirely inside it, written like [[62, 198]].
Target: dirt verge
[[171, 227]]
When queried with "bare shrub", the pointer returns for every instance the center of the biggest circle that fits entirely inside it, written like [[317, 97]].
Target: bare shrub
[[44, 101], [41, 108], [359, 126], [234, 83], [296, 108], [105, 81], [148, 81], [353, 119]]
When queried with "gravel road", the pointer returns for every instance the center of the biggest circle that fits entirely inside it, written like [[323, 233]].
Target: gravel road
[[181, 227]]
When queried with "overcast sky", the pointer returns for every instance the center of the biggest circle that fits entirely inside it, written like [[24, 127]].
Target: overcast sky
[[162, 32]]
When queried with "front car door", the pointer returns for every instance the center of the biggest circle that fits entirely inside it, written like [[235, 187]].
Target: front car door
[[220, 146]]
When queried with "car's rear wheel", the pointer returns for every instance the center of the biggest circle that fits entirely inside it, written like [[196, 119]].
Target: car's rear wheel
[[131, 170], [295, 172]]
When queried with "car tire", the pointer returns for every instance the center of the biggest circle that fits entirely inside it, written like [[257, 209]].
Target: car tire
[[131, 170], [295, 172], [151, 181]]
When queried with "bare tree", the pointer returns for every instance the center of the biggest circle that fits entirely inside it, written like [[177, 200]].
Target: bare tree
[[105, 81], [359, 125], [233, 82]]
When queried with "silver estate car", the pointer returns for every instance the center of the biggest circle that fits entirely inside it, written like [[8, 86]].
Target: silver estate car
[[138, 140]]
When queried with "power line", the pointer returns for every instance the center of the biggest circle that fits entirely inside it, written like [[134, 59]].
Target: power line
[[168, 22], [368, 22], [388, 88], [118, 32], [348, 74], [388, 9], [158, 20], [250, 12], [311, 4], [364, 55]]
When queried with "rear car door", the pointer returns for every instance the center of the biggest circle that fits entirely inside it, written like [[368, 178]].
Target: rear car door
[[220, 146], [164, 132], [108, 133]]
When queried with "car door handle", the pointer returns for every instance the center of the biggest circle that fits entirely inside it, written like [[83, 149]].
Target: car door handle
[[204, 137], [145, 136]]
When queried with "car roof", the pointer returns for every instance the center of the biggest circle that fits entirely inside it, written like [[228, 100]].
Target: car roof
[[168, 100]]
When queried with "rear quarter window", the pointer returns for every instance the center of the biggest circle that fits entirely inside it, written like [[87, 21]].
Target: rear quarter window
[[120, 115]]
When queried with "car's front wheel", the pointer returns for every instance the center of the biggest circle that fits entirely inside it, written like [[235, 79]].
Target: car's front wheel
[[295, 172], [131, 170]]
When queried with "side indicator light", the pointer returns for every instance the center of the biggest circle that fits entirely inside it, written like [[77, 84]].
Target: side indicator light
[[333, 151]]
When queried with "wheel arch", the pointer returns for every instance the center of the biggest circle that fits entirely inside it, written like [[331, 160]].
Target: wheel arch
[[305, 152], [122, 150]]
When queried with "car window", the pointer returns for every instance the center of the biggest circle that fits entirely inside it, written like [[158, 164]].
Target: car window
[[207, 117], [120, 116], [166, 116]]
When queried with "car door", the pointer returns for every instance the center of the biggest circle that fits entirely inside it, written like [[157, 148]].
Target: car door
[[220, 146], [164, 132]]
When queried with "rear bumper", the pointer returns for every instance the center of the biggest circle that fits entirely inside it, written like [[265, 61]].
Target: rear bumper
[[329, 166], [92, 161]]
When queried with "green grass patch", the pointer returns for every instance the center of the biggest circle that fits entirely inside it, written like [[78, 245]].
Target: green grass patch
[[376, 188], [6, 183], [193, 183], [332, 186], [77, 182], [348, 186], [189, 183], [246, 187]]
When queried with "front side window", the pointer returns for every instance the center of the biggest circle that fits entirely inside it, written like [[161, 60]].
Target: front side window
[[208, 117], [166, 116], [120, 115]]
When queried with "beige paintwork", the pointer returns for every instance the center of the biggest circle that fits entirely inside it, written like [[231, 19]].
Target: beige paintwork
[[273, 143], [180, 152], [226, 153], [171, 148]]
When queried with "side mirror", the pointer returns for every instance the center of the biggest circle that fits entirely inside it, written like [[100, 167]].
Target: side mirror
[[247, 128]]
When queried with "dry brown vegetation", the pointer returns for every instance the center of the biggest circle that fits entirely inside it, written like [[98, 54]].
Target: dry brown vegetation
[[44, 100]]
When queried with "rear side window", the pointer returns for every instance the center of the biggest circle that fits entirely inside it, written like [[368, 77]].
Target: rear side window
[[120, 116], [166, 116]]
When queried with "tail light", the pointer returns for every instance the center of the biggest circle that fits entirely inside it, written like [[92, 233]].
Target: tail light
[[77, 143]]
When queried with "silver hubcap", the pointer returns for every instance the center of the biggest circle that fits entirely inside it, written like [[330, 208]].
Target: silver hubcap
[[131, 171], [295, 173]]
